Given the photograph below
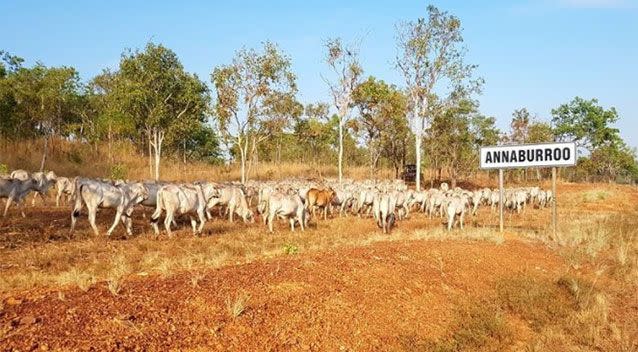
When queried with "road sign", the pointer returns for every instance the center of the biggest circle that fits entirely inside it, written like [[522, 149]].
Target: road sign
[[528, 155], [525, 156]]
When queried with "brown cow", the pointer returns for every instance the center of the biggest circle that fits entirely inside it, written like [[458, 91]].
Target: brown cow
[[319, 198]]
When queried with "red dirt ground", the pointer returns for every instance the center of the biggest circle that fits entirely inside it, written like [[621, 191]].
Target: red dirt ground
[[367, 298], [376, 297]]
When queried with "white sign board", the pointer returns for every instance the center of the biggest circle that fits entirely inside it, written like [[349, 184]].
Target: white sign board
[[528, 155]]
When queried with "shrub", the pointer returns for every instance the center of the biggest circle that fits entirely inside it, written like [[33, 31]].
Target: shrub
[[118, 172], [539, 302], [290, 249]]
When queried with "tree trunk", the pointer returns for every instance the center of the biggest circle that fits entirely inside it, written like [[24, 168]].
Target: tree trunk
[[110, 137], [158, 139], [341, 149], [453, 176], [243, 151], [150, 155], [45, 151], [417, 145]]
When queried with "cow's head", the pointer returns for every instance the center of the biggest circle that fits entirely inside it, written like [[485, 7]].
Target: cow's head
[[331, 194], [138, 192]]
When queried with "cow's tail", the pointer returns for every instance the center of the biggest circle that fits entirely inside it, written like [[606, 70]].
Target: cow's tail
[[158, 207], [77, 196]]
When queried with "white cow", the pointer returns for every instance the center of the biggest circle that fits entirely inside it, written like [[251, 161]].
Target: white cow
[[180, 199], [456, 209], [383, 208], [15, 190], [234, 198], [63, 186], [96, 194], [287, 206]]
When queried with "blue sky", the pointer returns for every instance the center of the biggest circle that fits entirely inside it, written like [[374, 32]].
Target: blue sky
[[534, 54]]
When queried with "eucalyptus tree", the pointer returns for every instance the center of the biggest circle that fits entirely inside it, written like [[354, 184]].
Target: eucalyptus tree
[[343, 61], [381, 115], [431, 59], [247, 91], [154, 90], [44, 101], [313, 130]]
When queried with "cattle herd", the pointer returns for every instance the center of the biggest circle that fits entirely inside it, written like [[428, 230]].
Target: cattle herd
[[293, 199]]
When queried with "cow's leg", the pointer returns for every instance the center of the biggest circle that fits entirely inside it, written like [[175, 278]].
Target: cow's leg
[[384, 222], [193, 224], [57, 198], [92, 210], [20, 204], [325, 213], [127, 222], [202, 220], [118, 214], [292, 224], [271, 218], [7, 205], [461, 219], [450, 221], [231, 210], [167, 222]]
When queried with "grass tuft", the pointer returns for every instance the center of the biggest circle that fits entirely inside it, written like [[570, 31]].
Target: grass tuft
[[237, 305]]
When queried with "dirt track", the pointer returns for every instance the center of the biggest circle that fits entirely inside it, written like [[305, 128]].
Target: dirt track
[[373, 298]]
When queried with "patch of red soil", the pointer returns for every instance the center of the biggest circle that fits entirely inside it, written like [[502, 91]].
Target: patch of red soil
[[365, 298]]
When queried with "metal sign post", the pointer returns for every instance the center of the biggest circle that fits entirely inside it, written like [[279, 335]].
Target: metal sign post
[[501, 199], [525, 156], [554, 216]]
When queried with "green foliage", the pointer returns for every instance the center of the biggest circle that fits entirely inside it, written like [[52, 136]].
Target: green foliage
[[4, 169], [203, 144], [382, 109], [540, 132], [521, 119], [585, 122], [38, 100], [255, 98], [118, 172], [155, 91], [454, 138], [590, 125], [291, 249]]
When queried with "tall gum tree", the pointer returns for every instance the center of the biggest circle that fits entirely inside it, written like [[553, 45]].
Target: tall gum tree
[[431, 59], [159, 95], [246, 90], [344, 63]]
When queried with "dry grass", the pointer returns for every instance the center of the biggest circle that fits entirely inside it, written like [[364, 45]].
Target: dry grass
[[477, 327], [85, 261], [235, 306], [582, 310], [71, 159], [75, 159]]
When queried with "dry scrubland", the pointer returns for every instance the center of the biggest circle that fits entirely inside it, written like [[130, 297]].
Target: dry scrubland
[[69, 159], [340, 285]]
